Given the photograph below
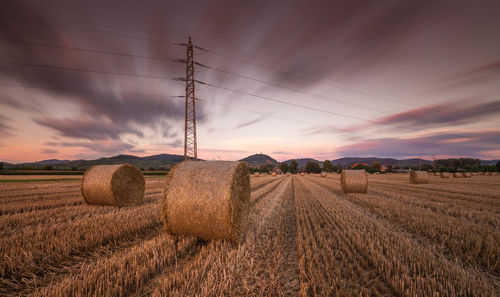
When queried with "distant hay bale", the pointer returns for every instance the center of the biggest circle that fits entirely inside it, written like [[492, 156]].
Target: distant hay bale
[[419, 177], [457, 175], [466, 174], [445, 175], [354, 181], [490, 173], [288, 174], [273, 174], [256, 174], [207, 199], [323, 174], [302, 174], [115, 185]]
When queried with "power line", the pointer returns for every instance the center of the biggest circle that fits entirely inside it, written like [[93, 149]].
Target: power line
[[285, 87], [88, 71], [89, 30], [89, 50], [307, 107]]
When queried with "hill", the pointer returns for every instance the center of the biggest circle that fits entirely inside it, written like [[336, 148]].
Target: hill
[[258, 160], [347, 162], [303, 161]]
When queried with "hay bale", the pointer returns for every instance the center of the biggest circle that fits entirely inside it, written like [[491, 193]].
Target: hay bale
[[419, 177], [288, 174], [115, 185], [457, 175], [354, 181], [256, 174], [323, 174], [273, 174], [207, 199], [490, 173], [445, 175], [466, 175]]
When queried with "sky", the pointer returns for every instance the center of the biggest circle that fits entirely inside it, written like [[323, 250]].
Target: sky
[[291, 79]]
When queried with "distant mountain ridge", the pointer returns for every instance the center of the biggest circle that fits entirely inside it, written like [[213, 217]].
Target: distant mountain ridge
[[163, 161]]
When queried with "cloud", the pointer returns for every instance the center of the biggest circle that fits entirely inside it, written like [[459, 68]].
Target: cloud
[[248, 123], [87, 128], [98, 146], [124, 102], [437, 115], [5, 130], [50, 151], [477, 144]]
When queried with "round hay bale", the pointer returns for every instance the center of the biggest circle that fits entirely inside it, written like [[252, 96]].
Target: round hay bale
[[207, 199], [256, 174], [445, 175], [490, 173], [288, 174], [466, 175], [354, 181], [323, 174], [115, 185], [273, 174], [457, 175], [419, 177]]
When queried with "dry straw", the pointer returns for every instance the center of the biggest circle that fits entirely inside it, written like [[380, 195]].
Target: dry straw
[[445, 175], [419, 177], [457, 175], [116, 185], [354, 181], [207, 199], [323, 174]]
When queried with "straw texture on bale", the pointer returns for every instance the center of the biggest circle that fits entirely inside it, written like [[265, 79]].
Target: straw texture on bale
[[419, 177], [256, 174], [445, 175], [466, 174], [354, 181], [207, 199], [115, 185], [323, 174], [457, 175]]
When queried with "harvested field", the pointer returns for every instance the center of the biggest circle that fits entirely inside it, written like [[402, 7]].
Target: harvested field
[[305, 238]]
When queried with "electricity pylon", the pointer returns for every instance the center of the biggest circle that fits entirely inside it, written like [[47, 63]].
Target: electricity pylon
[[190, 148]]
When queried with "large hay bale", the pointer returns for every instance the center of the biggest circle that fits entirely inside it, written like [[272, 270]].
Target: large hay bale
[[419, 177], [256, 174], [445, 175], [354, 181], [323, 174], [466, 175], [457, 175], [115, 185], [207, 199]]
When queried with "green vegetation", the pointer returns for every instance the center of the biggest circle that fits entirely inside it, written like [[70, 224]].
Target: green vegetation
[[312, 167], [327, 166], [284, 167], [293, 166]]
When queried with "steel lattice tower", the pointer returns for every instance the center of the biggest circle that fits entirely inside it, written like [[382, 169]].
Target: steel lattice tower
[[190, 148]]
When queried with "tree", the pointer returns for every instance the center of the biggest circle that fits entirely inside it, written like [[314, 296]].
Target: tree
[[389, 168], [361, 167], [312, 167], [376, 166], [498, 166], [1, 165], [327, 166], [284, 167], [293, 166]]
